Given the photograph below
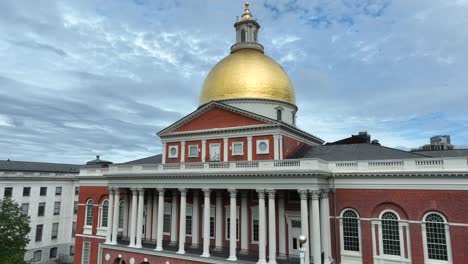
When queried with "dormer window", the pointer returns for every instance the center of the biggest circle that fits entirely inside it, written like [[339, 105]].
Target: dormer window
[[279, 114], [173, 151]]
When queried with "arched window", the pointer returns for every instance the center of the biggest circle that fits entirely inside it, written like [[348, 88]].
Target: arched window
[[104, 213], [437, 238], [279, 114], [242, 35], [390, 234], [89, 212], [350, 220]]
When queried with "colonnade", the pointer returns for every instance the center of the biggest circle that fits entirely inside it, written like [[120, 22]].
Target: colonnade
[[314, 217]]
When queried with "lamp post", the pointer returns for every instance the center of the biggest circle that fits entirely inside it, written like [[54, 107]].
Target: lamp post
[[302, 239]]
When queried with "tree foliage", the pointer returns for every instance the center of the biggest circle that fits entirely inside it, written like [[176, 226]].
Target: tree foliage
[[14, 230]]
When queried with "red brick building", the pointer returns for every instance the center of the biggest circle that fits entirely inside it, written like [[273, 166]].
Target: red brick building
[[240, 156]]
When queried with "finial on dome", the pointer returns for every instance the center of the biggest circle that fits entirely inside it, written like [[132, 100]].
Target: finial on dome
[[247, 15]]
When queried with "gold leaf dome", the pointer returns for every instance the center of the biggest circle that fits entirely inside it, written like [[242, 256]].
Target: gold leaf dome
[[247, 73]]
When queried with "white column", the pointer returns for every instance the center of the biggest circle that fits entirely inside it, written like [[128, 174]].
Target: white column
[[203, 150], [249, 148], [304, 222], [261, 228], [311, 222], [182, 151], [154, 226], [163, 160], [233, 225], [325, 225], [219, 221], [133, 218], [109, 216], [183, 212], [317, 251], [159, 240], [195, 217], [225, 150], [126, 214], [174, 221], [276, 147], [149, 213], [244, 224], [206, 224], [280, 147], [281, 226], [116, 213], [141, 201], [271, 227]]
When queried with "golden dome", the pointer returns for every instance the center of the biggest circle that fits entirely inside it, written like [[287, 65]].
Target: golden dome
[[247, 73]]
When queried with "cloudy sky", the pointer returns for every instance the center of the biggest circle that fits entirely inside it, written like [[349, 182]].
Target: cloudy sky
[[84, 78]]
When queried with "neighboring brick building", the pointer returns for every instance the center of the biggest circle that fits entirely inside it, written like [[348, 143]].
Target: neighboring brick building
[[240, 156]]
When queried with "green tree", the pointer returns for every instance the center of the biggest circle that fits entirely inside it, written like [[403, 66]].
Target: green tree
[[14, 230]]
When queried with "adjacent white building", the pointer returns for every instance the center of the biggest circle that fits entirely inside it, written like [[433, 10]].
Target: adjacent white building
[[48, 193]]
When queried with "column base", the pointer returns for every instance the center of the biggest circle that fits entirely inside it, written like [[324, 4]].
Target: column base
[[138, 246], [262, 261], [181, 252], [158, 249], [132, 245], [272, 262], [205, 255], [232, 258]]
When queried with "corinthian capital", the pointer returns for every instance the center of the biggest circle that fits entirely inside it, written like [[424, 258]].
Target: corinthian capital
[[303, 194], [315, 194], [232, 193], [271, 193], [261, 193]]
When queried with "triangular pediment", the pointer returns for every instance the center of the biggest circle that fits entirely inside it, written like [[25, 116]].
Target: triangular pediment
[[215, 115]]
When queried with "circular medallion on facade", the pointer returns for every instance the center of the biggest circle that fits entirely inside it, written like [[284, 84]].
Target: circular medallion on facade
[[262, 146], [107, 256], [132, 260], [173, 151]]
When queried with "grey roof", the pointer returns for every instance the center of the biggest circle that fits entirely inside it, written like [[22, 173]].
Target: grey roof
[[156, 159], [363, 151], [9, 165], [445, 153]]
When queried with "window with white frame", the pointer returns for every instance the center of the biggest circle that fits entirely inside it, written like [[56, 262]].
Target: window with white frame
[[193, 151], [263, 146], [173, 151], [351, 230], [228, 223], [25, 208], [255, 225], [89, 212], [55, 230], [57, 208], [436, 237], [37, 255], [390, 234], [167, 218], [188, 220], [238, 148], [85, 255], [104, 213]]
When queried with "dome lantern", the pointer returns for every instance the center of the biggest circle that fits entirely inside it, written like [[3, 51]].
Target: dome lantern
[[247, 32]]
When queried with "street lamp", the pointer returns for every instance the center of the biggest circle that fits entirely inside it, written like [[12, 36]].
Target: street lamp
[[302, 239]]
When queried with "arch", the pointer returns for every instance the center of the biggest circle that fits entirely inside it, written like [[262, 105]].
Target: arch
[[391, 236], [385, 206], [436, 238], [89, 211], [103, 213]]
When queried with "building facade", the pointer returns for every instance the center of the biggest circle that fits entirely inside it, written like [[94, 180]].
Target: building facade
[[240, 156], [48, 193]]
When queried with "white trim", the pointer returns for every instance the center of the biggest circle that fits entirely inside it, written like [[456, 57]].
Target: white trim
[[260, 141], [88, 228], [447, 239], [170, 155], [190, 155], [83, 251], [392, 258], [233, 153]]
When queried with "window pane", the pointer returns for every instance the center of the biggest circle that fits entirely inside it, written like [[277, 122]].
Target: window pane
[[43, 191], [105, 213], [237, 149], [89, 213], [55, 228], [390, 234], [26, 191], [86, 248], [435, 237], [25, 209], [39, 229], [41, 209], [37, 255], [53, 252], [193, 151], [8, 192], [56, 208], [58, 190], [350, 231], [72, 251]]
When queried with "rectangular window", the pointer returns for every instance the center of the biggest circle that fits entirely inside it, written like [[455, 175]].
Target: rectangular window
[[8, 192], [26, 191], [212, 222], [188, 221], [167, 218], [77, 190], [57, 208], [55, 228], [43, 191], [75, 207], [53, 253], [238, 148], [25, 209], [58, 190], [74, 229], [72, 251], [228, 223], [193, 151], [255, 230], [37, 255], [39, 229], [41, 209], [85, 255]]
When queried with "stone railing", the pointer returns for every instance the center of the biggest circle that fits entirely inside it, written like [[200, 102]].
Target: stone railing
[[299, 165]]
